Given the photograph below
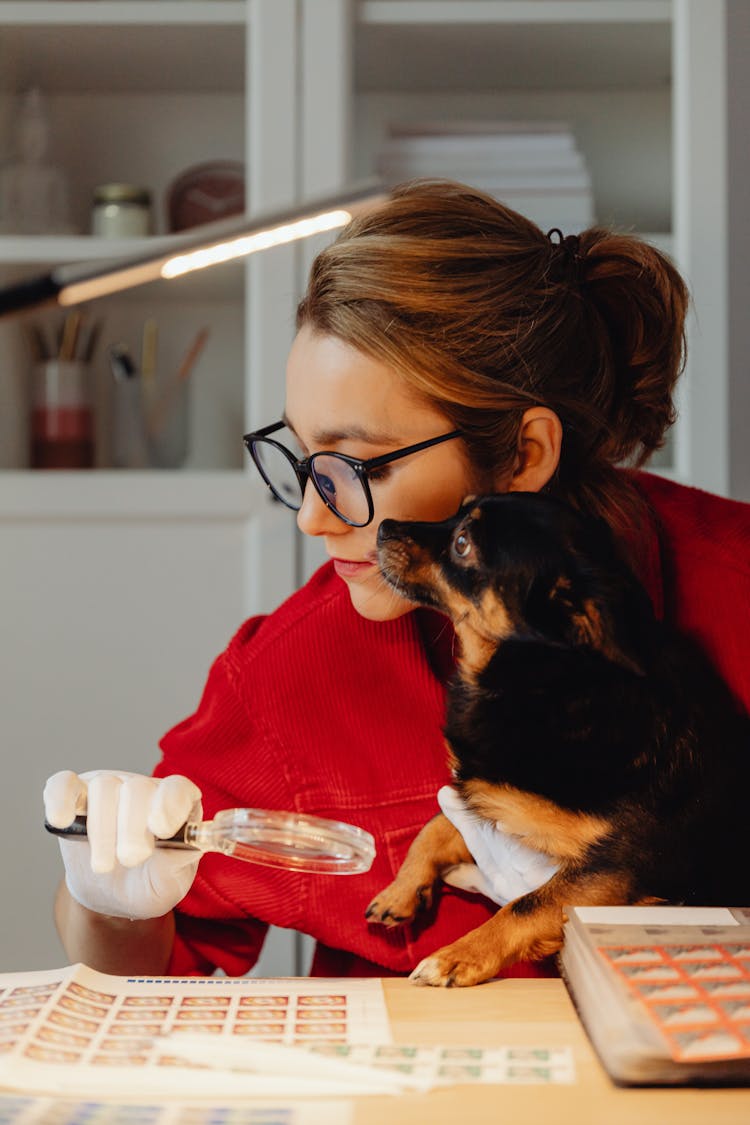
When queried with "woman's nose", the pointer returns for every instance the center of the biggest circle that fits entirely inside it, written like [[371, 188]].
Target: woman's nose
[[316, 518]]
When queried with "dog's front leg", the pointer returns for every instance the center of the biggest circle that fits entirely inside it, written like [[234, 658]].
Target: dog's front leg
[[437, 846], [527, 929]]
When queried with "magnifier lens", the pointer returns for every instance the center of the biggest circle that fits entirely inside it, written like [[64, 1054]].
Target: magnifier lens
[[282, 839]]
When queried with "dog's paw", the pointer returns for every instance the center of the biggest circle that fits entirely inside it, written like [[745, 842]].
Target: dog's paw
[[455, 966], [398, 904]]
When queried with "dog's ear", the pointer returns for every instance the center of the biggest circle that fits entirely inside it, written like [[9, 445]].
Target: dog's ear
[[564, 616], [553, 610]]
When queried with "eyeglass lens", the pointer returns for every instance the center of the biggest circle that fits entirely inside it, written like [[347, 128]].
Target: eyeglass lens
[[341, 487], [334, 479], [279, 473]]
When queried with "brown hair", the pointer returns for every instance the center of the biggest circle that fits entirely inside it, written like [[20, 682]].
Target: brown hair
[[484, 315]]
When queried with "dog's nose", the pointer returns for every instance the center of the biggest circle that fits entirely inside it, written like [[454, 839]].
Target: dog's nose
[[386, 531]]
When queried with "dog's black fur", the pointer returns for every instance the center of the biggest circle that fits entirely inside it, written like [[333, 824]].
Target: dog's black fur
[[600, 735]]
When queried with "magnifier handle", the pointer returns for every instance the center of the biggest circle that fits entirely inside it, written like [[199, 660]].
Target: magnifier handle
[[78, 830]]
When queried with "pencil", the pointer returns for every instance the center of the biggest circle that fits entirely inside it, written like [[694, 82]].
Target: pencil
[[69, 341], [191, 355]]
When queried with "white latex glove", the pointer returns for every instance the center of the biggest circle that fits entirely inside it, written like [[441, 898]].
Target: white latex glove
[[118, 870], [503, 867]]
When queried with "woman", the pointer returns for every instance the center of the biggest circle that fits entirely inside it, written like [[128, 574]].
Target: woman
[[445, 346]]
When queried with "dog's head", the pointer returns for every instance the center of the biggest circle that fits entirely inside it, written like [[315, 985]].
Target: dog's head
[[520, 566]]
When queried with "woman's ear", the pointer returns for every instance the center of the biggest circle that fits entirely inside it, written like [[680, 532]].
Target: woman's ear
[[538, 450]]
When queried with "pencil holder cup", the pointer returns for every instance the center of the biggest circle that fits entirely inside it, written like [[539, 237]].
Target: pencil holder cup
[[168, 424], [62, 416], [130, 449]]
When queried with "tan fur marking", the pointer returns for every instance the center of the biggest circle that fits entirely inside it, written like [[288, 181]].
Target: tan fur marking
[[592, 631], [411, 563], [540, 823], [562, 585], [451, 759], [476, 513], [438, 845], [492, 617], [509, 936], [480, 630], [474, 653], [589, 625]]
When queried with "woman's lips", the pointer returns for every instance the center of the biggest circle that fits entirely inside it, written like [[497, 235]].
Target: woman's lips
[[348, 568]]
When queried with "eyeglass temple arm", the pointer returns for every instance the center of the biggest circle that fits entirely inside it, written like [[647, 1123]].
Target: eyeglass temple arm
[[387, 457], [264, 432]]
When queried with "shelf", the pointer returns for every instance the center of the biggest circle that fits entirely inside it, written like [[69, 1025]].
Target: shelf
[[30, 495], [491, 45], [55, 250], [64, 13], [205, 45], [513, 11], [23, 258]]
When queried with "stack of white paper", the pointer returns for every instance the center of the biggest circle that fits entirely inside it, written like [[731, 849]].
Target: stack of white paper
[[535, 168]]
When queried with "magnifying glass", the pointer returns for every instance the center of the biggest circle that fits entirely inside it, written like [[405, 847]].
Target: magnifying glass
[[269, 837]]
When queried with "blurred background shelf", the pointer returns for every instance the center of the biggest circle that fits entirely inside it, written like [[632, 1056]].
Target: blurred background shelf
[[589, 44], [102, 47], [121, 495]]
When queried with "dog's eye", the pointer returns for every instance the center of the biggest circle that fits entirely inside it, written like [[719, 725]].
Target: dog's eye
[[461, 545]]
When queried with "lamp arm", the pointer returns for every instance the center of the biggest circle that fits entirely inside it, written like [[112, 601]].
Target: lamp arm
[[215, 243]]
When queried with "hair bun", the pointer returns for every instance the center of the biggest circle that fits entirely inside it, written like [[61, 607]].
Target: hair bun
[[641, 301]]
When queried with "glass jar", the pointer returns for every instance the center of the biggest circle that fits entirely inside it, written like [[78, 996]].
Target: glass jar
[[121, 211]]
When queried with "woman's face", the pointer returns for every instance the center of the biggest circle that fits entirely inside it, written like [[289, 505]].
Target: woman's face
[[339, 399]]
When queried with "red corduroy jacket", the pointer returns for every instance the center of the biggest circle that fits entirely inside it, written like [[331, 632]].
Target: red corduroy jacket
[[317, 710]]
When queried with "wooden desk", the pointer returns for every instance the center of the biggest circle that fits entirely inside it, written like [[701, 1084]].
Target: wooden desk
[[529, 1013]]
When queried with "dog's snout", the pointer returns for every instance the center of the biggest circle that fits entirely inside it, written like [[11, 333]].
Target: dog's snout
[[388, 531]]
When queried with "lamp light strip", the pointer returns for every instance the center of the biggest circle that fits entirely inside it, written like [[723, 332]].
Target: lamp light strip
[[250, 244]]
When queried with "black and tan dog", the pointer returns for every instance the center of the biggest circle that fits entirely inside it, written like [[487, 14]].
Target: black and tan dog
[[576, 721]]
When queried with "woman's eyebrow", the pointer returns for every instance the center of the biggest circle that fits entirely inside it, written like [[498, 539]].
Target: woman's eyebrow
[[331, 436]]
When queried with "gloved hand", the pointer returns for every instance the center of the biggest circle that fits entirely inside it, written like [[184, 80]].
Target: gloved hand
[[503, 867], [118, 870]]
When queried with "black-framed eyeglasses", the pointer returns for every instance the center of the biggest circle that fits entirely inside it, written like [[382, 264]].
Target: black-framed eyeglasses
[[340, 481]]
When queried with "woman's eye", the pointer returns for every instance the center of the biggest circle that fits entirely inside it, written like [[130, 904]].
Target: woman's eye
[[461, 545], [327, 484], [378, 474]]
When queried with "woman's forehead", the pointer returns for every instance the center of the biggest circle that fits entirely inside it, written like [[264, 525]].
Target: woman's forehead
[[336, 392]]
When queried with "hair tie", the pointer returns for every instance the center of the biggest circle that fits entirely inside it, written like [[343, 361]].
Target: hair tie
[[570, 243]]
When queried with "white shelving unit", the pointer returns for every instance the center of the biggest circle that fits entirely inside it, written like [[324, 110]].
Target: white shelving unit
[[125, 584], [122, 586], [136, 92]]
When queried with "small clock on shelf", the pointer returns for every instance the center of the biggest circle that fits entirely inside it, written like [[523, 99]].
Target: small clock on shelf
[[205, 193]]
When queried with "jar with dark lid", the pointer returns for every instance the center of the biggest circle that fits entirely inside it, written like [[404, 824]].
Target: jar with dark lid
[[121, 211]]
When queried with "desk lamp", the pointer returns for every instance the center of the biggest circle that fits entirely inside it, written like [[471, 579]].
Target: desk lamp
[[211, 244]]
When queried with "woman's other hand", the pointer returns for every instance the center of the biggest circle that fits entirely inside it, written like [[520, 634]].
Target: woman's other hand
[[118, 870], [504, 868]]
